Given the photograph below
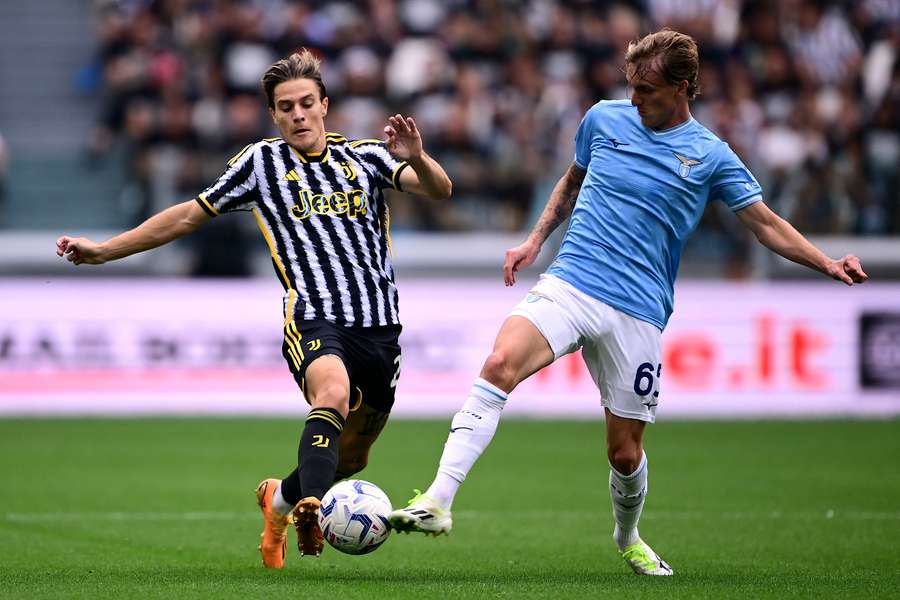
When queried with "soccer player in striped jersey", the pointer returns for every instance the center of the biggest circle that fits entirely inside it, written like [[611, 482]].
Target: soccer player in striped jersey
[[643, 173], [318, 200]]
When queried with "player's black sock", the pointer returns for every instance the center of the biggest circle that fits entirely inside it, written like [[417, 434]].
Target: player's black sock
[[290, 485], [318, 454], [290, 488]]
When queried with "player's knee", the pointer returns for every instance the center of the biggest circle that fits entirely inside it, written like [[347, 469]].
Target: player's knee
[[625, 458], [334, 395], [499, 370]]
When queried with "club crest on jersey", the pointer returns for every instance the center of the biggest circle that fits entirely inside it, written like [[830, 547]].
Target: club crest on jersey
[[349, 171], [352, 203], [684, 169]]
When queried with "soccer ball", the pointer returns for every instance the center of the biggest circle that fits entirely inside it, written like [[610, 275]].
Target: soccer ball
[[354, 516]]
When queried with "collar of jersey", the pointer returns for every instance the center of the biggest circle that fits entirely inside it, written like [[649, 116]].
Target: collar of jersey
[[310, 157], [678, 127]]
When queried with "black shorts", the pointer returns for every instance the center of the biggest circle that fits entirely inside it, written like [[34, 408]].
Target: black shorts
[[370, 354]]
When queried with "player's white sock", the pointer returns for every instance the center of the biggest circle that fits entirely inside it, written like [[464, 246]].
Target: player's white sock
[[471, 431], [279, 504], [628, 493]]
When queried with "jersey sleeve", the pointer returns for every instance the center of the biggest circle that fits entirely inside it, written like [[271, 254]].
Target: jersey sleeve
[[374, 154], [235, 189], [583, 140], [733, 183]]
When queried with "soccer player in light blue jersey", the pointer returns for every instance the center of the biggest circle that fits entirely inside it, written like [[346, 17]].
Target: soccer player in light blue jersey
[[644, 171]]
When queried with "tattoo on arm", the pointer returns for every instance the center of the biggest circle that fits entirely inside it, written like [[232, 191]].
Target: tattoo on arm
[[560, 204]]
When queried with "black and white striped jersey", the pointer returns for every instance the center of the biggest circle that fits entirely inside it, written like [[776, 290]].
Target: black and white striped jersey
[[326, 222]]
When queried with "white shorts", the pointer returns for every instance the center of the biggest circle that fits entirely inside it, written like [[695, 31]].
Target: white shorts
[[621, 352]]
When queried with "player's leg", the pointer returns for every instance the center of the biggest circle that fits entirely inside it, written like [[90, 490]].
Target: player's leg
[[627, 475], [540, 329], [519, 351], [624, 362], [362, 429], [374, 357], [371, 358], [328, 392], [314, 358], [296, 498], [628, 490]]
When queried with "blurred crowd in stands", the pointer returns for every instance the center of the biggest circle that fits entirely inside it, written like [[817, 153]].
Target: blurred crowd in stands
[[807, 93]]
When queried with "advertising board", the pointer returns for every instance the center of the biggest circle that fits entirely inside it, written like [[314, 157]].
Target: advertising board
[[125, 346]]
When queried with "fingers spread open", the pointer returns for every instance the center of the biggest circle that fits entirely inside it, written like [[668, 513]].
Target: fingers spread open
[[400, 123]]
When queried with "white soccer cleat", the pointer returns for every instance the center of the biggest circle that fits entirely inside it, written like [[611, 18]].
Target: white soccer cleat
[[644, 561], [422, 515]]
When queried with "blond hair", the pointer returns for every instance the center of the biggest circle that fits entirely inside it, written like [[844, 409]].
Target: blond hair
[[679, 54], [299, 65]]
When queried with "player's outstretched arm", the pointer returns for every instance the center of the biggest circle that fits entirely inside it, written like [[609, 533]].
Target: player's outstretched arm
[[559, 207], [426, 177], [778, 235], [159, 229]]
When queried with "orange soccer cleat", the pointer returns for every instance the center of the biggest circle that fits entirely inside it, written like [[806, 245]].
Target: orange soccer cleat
[[275, 526], [310, 540]]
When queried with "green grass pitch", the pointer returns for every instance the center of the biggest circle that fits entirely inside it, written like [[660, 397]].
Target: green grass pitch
[[164, 508]]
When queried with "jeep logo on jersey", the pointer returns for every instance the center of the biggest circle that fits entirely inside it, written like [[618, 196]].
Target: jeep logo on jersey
[[353, 203], [686, 163]]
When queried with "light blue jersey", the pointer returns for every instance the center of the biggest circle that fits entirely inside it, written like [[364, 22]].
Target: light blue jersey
[[643, 194]]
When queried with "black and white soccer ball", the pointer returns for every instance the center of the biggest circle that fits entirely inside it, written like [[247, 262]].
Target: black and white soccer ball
[[354, 516]]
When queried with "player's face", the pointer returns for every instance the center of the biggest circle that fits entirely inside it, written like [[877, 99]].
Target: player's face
[[656, 99], [300, 113]]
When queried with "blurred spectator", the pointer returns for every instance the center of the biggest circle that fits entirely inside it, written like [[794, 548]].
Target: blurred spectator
[[826, 49], [806, 92]]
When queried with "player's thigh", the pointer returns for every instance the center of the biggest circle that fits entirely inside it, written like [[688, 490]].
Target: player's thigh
[[328, 383], [625, 363], [541, 328], [315, 351], [520, 350]]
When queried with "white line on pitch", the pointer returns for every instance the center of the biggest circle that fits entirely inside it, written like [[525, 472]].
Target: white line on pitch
[[132, 516], [691, 515], [840, 515]]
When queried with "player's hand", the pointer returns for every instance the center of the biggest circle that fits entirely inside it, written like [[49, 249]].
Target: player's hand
[[403, 139], [847, 269], [518, 258], [79, 251]]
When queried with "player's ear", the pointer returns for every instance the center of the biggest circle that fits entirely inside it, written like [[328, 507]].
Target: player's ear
[[324, 106], [272, 114], [682, 87]]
